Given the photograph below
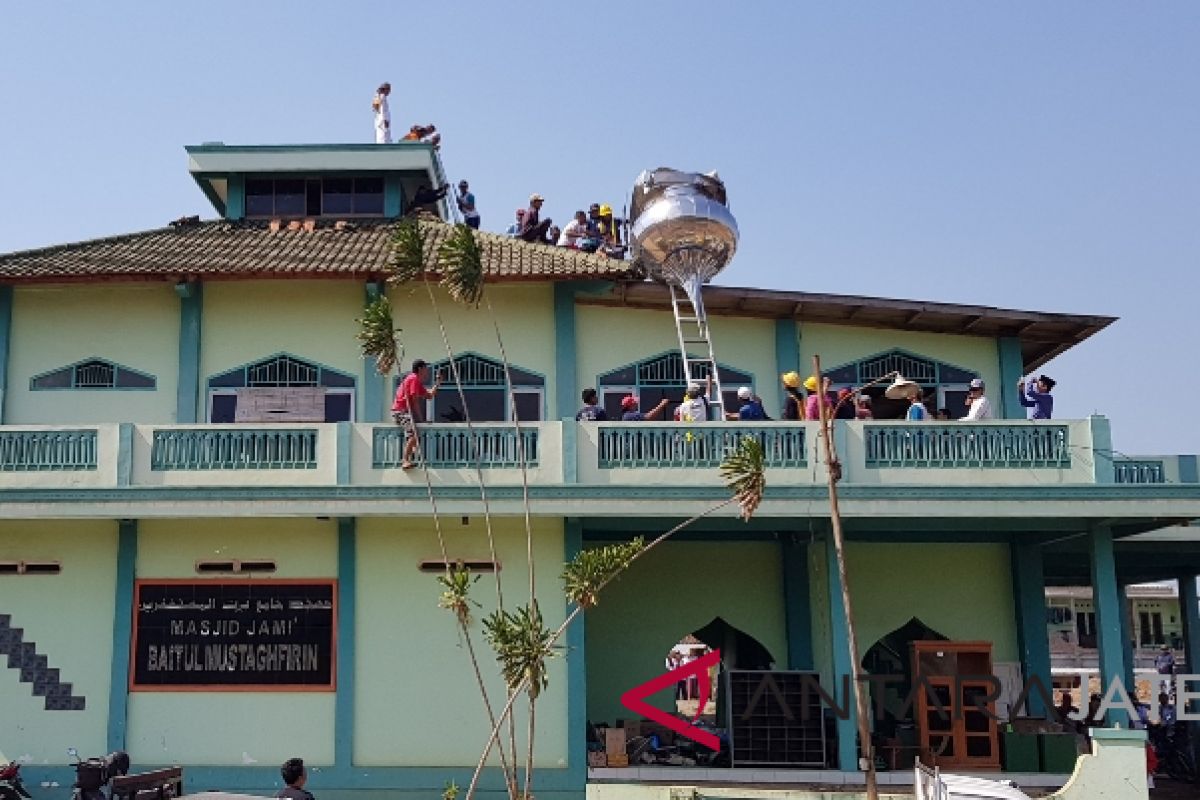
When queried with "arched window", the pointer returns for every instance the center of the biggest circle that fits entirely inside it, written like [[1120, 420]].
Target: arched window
[[945, 385], [486, 391], [662, 376], [281, 388], [90, 374]]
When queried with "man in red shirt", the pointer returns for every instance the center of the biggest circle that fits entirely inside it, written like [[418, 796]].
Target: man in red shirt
[[409, 408]]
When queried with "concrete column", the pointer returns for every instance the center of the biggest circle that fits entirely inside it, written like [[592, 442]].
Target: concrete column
[[118, 695], [576, 641], [1029, 591], [566, 394], [1127, 634], [797, 608], [847, 725], [343, 714], [787, 356], [6, 311], [1107, 600], [1189, 608], [373, 391], [1012, 369], [188, 407]]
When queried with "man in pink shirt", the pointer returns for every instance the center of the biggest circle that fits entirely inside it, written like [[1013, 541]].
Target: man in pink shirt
[[812, 408], [409, 407]]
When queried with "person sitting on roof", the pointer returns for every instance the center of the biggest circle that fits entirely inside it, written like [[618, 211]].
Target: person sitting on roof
[[534, 229], [427, 199], [593, 238], [515, 228], [466, 204], [574, 232], [630, 412], [421, 133], [610, 232]]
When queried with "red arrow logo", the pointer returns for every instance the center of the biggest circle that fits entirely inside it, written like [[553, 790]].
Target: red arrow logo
[[633, 699]]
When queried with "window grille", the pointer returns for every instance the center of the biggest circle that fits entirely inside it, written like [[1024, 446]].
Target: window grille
[[94, 373]]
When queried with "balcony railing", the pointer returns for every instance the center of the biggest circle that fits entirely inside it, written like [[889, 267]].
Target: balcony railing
[[955, 444], [233, 449], [1001, 453], [47, 450], [1133, 470], [675, 446], [489, 446]]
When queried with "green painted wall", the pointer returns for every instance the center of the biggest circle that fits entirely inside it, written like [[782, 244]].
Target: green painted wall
[[245, 321], [675, 589], [839, 344], [613, 337], [268, 727], [416, 701], [963, 591], [133, 324], [525, 314], [69, 617]]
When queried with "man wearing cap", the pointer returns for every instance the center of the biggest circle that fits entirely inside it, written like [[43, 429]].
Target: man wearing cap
[[533, 228], [1036, 395], [978, 406], [630, 412], [466, 204], [694, 407], [750, 408]]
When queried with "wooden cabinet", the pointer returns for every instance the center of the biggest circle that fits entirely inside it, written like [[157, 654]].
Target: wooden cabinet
[[955, 705]]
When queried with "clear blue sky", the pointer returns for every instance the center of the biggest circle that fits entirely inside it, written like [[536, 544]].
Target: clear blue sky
[[1028, 155]]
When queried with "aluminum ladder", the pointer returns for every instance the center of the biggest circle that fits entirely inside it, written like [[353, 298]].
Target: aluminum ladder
[[686, 313]]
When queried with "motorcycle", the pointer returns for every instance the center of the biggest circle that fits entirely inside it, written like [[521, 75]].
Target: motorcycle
[[93, 774], [11, 787]]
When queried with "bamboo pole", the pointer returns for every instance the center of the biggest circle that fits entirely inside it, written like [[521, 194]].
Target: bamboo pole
[[834, 469]]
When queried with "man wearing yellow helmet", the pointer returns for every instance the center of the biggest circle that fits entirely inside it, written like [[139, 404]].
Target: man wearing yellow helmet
[[794, 407]]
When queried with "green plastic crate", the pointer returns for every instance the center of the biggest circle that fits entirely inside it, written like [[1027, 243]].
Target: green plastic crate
[[1058, 752], [1020, 752]]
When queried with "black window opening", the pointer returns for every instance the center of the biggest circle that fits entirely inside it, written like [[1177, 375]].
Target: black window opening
[[282, 371], [486, 392], [661, 377], [314, 197], [92, 374], [943, 385]]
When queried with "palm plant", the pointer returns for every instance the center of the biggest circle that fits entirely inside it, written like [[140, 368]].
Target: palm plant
[[377, 335], [585, 576]]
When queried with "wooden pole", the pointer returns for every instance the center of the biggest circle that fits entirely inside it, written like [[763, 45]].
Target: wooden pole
[[834, 469]]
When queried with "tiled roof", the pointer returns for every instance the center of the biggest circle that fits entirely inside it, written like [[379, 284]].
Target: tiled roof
[[220, 248]]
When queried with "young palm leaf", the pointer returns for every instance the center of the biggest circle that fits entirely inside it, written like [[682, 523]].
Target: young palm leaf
[[456, 592], [377, 335], [408, 251], [522, 643], [744, 473], [460, 260], [589, 570]]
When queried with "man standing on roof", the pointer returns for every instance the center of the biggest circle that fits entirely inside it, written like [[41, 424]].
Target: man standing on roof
[[1036, 395], [466, 204], [383, 116]]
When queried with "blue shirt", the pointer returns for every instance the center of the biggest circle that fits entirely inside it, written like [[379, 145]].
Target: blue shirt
[[633, 416], [1042, 403], [591, 414], [752, 410], [917, 413]]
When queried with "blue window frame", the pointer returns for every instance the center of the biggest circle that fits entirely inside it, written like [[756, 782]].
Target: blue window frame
[[485, 390], [661, 376], [281, 371], [93, 374]]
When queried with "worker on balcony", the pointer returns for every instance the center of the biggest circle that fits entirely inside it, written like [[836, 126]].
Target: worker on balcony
[[750, 408], [979, 408], [408, 408], [1036, 395], [630, 412], [793, 408]]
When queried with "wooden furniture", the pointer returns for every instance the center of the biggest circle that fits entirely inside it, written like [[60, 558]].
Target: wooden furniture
[[955, 715], [162, 784]]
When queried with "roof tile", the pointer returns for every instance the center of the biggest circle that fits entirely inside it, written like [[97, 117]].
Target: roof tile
[[222, 248]]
